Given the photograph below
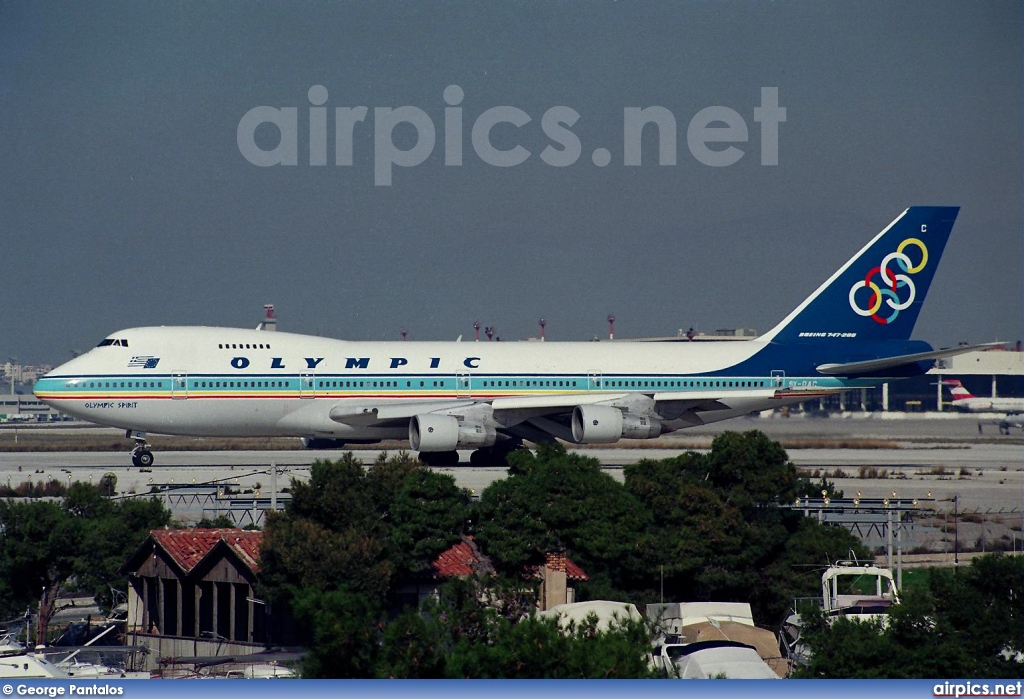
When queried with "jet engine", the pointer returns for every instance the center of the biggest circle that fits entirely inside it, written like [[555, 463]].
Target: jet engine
[[430, 432], [600, 424]]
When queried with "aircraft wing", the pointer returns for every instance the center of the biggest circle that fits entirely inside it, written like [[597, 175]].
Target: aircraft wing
[[350, 413], [873, 365], [512, 410]]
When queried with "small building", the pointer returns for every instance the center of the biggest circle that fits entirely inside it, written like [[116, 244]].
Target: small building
[[465, 560], [190, 593], [556, 576]]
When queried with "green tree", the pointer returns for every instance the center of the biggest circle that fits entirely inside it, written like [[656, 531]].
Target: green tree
[[385, 478], [114, 530], [427, 514], [38, 546], [346, 629], [555, 498], [413, 647], [360, 529], [482, 642], [718, 531], [330, 533], [462, 634], [750, 471], [85, 539], [694, 536], [218, 522]]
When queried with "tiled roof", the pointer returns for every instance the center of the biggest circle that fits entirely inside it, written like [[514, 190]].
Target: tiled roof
[[465, 558], [462, 560], [188, 547], [572, 571]]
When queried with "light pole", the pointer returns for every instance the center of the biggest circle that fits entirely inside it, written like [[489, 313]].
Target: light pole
[[956, 527]]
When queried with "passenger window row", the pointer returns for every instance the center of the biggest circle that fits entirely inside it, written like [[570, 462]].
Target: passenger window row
[[240, 345]]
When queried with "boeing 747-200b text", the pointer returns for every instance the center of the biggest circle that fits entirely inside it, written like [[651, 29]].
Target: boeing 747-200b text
[[852, 332]]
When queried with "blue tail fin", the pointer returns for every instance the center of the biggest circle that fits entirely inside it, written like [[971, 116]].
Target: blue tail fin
[[877, 295]]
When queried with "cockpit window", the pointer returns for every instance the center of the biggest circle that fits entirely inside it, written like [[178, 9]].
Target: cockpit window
[[109, 341]]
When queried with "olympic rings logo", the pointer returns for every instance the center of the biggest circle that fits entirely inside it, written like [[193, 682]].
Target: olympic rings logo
[[891, 286]]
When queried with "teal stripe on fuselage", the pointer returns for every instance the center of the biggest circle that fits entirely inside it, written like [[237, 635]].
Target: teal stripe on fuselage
[[273, 385]]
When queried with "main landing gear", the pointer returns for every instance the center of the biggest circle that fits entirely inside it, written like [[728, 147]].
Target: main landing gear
[[490, 456], [483, 457], [439, 458], [142, 457]]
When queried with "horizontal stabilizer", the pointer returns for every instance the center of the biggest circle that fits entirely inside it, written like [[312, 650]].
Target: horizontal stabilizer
[[874, 365]]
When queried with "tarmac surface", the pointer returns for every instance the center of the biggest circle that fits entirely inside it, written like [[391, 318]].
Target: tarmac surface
[[936, 457]]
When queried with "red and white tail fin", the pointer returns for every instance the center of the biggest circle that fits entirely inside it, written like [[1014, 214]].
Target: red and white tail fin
[[957, 389]]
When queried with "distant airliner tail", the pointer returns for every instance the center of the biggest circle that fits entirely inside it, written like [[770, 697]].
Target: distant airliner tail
[[956, 388], [878, 293]]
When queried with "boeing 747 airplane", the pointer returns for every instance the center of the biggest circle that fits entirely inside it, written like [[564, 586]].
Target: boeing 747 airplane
[[852, 332]]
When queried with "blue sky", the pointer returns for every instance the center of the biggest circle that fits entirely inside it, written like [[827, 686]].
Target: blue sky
[[125, 199]]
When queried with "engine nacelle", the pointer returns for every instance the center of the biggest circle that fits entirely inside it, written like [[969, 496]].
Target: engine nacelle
[[640, 427], [596, 424], [600, 424], [431, 432]]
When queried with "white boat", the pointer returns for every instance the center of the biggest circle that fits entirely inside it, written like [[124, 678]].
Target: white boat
[[849, 590], [702, 640], [709, 660], [17, 663], [839, 601]]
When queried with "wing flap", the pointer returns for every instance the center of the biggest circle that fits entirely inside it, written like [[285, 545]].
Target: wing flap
[[700, 397], [363, 414], [565, 401]]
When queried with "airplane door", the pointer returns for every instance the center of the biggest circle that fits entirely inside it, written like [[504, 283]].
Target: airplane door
[[777, 376], [594, 382], [462, 385], [179, 385], [307, 386]]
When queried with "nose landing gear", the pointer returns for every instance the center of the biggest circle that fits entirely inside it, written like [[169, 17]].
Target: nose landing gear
[[142, 457]]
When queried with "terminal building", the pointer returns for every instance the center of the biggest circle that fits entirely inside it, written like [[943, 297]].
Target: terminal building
[[992, 374]]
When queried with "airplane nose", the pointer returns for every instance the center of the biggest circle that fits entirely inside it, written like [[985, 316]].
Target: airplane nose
[[43, 389]]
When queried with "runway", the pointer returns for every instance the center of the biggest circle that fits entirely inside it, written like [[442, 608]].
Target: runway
[[944, 456], [986, 477]]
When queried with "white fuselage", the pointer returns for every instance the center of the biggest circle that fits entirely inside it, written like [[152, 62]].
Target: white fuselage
[[975, 404], [206, 381]]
